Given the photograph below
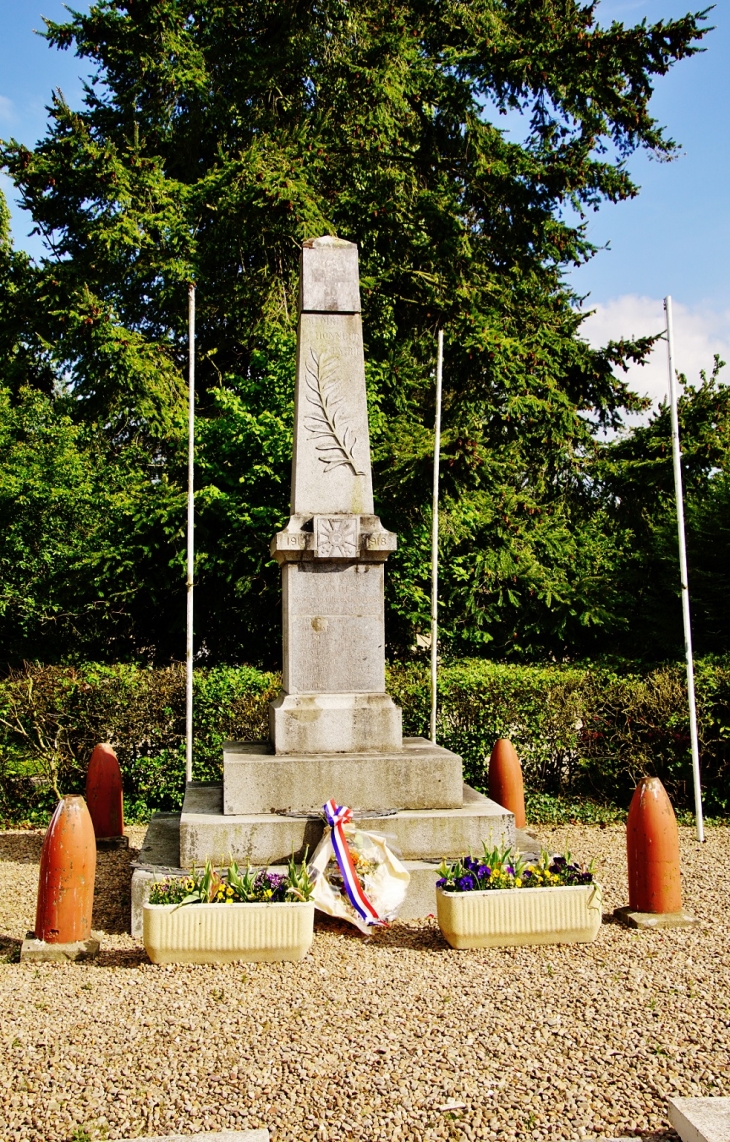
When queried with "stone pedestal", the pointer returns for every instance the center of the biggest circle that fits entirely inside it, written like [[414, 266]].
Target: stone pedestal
[[420, 775], [39, 952], [261, 838], [356, 723], [333, 549], [648, 921]]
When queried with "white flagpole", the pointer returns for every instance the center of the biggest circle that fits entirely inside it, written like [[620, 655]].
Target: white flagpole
[[435, 538], [683, 577], [191, 537]]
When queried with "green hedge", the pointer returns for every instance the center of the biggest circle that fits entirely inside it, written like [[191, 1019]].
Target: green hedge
[[584, 732]]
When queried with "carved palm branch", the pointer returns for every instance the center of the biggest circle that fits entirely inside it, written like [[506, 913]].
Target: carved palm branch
[[325, 423]]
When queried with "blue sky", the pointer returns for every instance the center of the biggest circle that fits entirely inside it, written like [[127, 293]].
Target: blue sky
[[674, 238]]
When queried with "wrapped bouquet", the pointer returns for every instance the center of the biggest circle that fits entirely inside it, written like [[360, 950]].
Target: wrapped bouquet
[[356, 876]]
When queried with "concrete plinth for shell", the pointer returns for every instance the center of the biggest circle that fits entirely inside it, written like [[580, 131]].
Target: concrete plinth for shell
[[647, 921], [111, 844], [41, 952], [700, 1119]]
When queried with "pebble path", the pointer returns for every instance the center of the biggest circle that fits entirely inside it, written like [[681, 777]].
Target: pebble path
[[391, 1037]]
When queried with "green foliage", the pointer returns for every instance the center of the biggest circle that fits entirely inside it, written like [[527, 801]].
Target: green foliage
[[589, 730], [215, 136], [637, 482], [502, 868], [92, 540], [51, 718], [232, 886], [585, 733], [552, 809]]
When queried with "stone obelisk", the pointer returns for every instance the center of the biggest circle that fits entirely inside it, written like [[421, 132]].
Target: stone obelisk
[[333, 549], [334, 731]]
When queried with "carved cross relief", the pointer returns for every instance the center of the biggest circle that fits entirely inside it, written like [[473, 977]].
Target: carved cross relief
[[336, 537]]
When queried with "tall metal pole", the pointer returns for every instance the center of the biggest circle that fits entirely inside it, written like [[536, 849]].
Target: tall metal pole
[[683, 577], [191, 538], [435, 538]]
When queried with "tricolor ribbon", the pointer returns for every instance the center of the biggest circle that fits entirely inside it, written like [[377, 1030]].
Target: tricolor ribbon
[[337, 816]]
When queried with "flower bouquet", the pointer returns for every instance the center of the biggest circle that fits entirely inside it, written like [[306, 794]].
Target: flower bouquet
[[500, 899], [356, 876], [216, 917]]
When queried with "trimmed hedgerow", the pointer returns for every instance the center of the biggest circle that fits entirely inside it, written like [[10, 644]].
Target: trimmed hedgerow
[[585, 733]]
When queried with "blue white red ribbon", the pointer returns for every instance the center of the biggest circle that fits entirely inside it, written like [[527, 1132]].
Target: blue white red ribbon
[[337, 816]]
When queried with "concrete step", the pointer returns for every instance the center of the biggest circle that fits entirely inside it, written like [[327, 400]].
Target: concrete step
[[700, 1119], [421, 775], [267, 838]]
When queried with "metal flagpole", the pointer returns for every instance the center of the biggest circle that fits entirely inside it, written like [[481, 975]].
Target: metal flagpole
[[435, 538], [191, 537], [683, 577]]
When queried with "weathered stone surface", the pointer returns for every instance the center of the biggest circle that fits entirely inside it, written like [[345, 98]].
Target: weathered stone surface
[[331, 471], [158, 858], [420, 776], [527, 844], [142, 881], [700, 1119], [40, 952], [329, 278], [333, 623], [161, 843], [417, 834], [650, 920], [335, 723]]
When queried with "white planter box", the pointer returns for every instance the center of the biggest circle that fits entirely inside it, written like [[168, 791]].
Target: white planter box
[[506, 916], [221, 933]]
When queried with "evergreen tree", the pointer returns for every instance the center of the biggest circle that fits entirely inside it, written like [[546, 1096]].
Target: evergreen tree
[[215, 136]]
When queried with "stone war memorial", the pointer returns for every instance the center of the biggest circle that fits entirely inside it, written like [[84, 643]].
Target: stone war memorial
[[334, 731]]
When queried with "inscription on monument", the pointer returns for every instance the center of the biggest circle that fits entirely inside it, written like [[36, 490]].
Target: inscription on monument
[[381, 541]]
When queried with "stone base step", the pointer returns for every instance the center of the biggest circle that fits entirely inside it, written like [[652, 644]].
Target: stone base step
[[700, 1119], [421, 775], [267, 838]]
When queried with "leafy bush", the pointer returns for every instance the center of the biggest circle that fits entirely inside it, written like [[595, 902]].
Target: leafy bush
[[585, 733], [587, 730], [52, 716]]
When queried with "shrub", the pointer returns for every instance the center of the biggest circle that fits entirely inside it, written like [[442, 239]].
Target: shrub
[[587, 730], [585, 733], [52, 716]]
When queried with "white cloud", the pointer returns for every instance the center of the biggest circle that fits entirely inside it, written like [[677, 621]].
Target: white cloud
[[7, 110], [699, 333]]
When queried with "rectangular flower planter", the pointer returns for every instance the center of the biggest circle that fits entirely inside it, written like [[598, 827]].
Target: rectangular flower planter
[[222, 933], [502, 917]]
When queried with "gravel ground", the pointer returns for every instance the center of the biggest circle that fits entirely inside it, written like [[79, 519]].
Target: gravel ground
[[392, 1037]]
